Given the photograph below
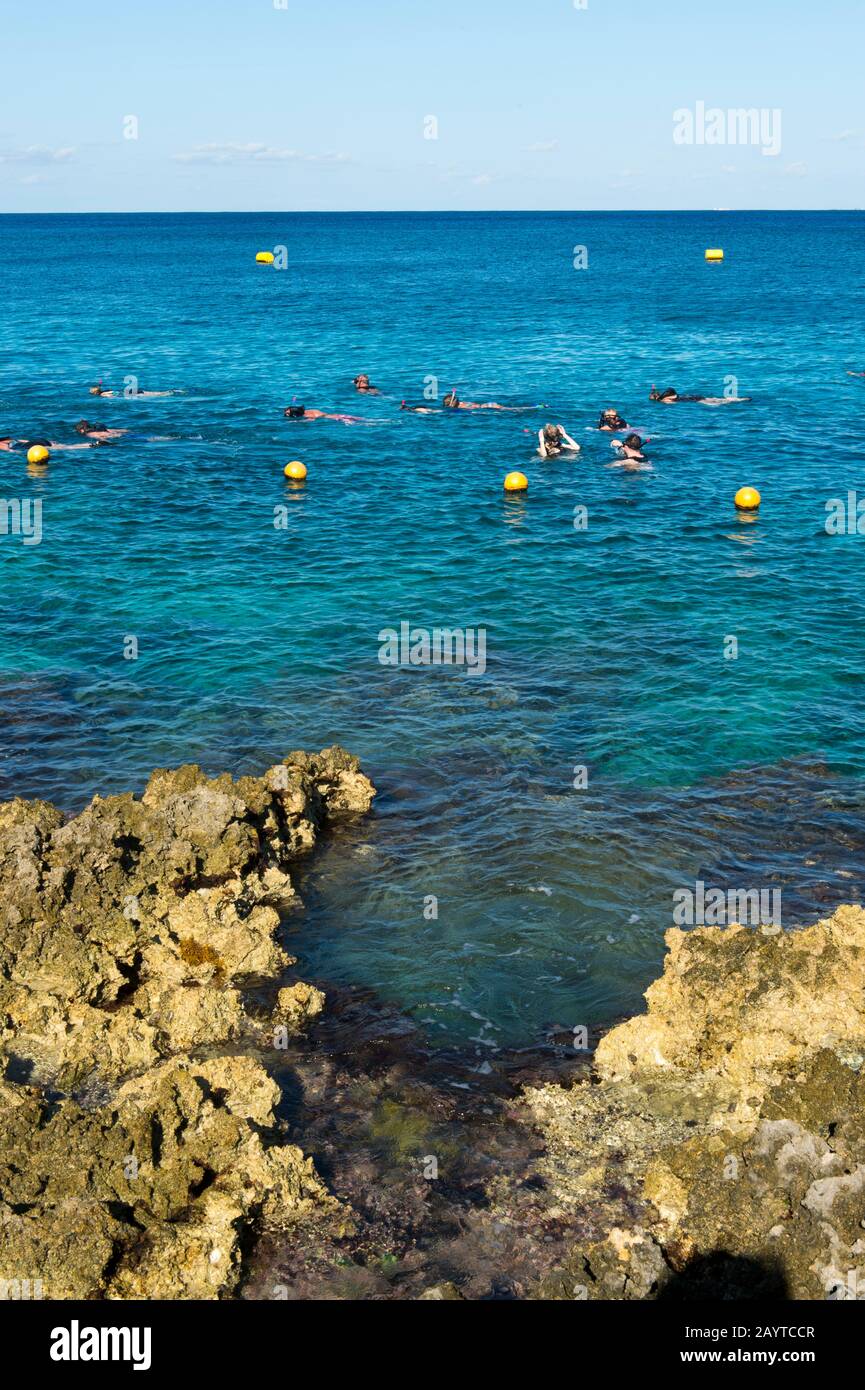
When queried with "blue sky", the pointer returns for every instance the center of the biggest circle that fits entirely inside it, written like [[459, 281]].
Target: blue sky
[[243, 105]]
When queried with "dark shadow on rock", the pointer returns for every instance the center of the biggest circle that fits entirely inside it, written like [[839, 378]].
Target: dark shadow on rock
[[720, 1275]]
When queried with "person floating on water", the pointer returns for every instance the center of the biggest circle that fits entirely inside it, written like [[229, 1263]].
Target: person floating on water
[[363, 383], [553, 440], [300, 412], [452, 402], [100, 390], [610, 421], [669, 396], [8, 444], [630, 449], [98, 432]]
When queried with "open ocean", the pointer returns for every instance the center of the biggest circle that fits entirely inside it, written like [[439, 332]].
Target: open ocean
[[605, 648]]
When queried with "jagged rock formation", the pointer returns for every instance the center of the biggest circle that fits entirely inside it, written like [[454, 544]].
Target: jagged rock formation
[[717, 1148], [720, 1150], [126, 934]]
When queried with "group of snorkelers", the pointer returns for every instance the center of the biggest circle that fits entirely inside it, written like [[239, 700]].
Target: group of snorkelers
[[91, 436], [553, 440]]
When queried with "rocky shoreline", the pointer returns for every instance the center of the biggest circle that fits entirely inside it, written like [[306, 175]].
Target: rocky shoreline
[[180, 1118]]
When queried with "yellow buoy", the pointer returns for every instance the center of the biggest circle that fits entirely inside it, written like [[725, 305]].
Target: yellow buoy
[[516, 482], [714, 253], [747, 499], [295, 469], [265, 257], [38, 454]]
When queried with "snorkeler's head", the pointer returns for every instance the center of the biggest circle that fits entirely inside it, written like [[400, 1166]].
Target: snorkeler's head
[[96, 390], [451, 400], [84, 427], [552, 434], [669, 393], [362, 380], [294, 412], [633, 441]]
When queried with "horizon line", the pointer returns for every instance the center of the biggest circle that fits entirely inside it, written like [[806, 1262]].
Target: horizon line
[[403, 212]]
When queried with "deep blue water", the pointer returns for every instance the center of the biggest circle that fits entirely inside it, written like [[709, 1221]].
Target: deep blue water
[[605, 648]]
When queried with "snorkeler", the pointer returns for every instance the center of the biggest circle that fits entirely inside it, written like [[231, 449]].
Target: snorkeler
[[669, 396], [97, 432], [553, 440], [362, 383], [610, 420], [8, 444], [452, 402], [300, 412], [128, 395], [631, 448]]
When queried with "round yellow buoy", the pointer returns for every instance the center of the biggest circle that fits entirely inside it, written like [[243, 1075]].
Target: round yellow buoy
[[516, 482], [265, 257], [714, 253], [296, 470], [38, 454], [747, 499]]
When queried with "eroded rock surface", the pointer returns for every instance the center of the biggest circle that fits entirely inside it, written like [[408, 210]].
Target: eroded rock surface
[[135, 1160], [721, 1149]]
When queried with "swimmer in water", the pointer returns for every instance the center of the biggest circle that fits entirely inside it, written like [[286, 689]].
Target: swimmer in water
[[97, 432], [856, 373], [300, 412], [362, 383], [610, 421], [630, 449], [452, 402], [553, 440], [9, 444], [669, 396], [128, 395]]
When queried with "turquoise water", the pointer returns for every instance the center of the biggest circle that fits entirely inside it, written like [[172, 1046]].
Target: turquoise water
[[605, 648]]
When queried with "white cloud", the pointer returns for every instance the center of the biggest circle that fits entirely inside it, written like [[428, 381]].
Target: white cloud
[[38, 154], [845, 135], [235, 152], [543, 147], [796, 171]]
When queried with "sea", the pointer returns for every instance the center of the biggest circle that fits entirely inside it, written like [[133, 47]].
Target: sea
[[671, 690]]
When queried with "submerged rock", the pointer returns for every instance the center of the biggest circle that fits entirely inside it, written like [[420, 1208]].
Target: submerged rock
[[127, 932]]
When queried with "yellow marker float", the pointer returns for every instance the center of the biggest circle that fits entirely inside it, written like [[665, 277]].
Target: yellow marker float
[[265, 257], [714, 253], [516, 482], [295, 470], [38, 454], [747, 499]]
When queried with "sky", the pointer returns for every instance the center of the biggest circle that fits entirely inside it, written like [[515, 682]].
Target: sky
[[234, 105]]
